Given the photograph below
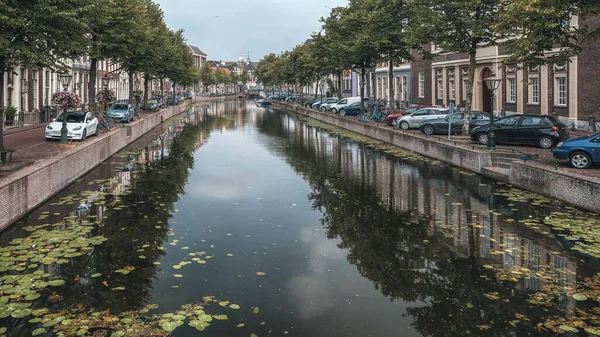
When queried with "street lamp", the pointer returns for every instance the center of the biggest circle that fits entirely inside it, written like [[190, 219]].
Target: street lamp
[[105, 80], [492, 84], [65, 80]]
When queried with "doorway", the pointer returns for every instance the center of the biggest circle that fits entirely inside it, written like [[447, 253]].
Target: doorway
[[485, 73]]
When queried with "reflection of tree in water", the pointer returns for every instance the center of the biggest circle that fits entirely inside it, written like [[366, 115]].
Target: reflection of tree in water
[[452, 295], [136, 230]]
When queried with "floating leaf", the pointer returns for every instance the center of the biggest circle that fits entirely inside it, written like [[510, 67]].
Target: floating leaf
[[234, 306], [260, 273], [580, 297], [117, 334], [96, 275], [241, 325], [198, 324], [20, 313], [56, 283], [220, 317], [37, 331], [253, 335], [168, 326], [178, 275], [568, 328], [256, 310]]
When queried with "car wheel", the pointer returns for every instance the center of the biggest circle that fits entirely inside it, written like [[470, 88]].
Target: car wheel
[[546, 142], [342, 112], [323, 109], [428, 129], [580, 160], [96, 131], [394, 122], [404, 125], [482, 138], [334, 110], [84, 135]]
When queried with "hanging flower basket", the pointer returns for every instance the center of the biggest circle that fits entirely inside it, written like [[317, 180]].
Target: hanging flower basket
[[106, 96], [138, 93], [156, 93], [66, 99]]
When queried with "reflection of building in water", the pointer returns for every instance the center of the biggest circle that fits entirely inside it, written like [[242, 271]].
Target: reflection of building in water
[[450, 200]]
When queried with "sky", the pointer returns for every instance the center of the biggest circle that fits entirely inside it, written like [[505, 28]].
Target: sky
[[225, 28]]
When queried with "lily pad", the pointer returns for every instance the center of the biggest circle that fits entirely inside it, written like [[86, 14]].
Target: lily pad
[[56, 283], [38, 331], [580, 297]]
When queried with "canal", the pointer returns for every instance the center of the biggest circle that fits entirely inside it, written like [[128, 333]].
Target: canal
[[243, 221]]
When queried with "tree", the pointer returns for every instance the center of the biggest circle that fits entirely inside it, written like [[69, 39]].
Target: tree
[[533, 28], [40, 34], [387, 25], [459, 26], [206, 76]]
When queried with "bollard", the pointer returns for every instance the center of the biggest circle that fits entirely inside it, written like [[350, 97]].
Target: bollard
[[592, 123], [502, 112]]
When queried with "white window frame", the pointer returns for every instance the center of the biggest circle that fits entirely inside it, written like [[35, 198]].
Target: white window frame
[[404, 88], [421, 84], [440, 88], [561, 101], [534, 88], [511, 90], [452, 89]]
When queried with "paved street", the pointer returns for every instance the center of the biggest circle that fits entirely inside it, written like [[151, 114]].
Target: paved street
[[25, 139]]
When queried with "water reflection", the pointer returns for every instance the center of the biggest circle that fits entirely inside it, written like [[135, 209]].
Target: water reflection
[[428, 234]]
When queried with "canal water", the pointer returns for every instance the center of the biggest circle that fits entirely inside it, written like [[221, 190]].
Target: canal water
[[243, 221]]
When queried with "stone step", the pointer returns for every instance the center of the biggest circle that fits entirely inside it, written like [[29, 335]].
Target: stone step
[[501, 163]]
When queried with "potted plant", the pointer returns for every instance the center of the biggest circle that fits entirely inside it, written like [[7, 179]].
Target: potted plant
[[10, 112]]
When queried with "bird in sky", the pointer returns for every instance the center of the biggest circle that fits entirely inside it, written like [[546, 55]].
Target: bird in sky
[[217, 16]]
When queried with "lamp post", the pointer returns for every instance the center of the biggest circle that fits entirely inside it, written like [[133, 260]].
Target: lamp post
[[492, 84], [24, 89], [136, 84], [65, 80], [105, 81]]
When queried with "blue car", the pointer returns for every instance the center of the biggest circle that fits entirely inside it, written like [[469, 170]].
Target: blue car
[[581, 153], [121, 112]]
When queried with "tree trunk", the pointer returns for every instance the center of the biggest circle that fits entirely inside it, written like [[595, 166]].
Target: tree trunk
[[391, 81], [362, 87], [162, 92], [2, 66], [92, 84], [339, 84], [316, 88], [145, 92], [130, 76], [472, 66]]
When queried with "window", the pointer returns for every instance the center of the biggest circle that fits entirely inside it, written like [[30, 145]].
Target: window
[[535, 91], [509, 121], [421, 84], [452, 89], [595, 140], [404, 85], [512, 90], [531, 121], [561, 87], [440, 89]]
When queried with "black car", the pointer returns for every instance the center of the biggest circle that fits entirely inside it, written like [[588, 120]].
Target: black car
[[440, 125], [541, 130]]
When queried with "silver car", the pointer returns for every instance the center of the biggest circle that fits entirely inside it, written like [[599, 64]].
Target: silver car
[[413, 120]]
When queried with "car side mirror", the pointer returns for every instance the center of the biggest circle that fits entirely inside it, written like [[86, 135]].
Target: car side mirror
[[54, 119]]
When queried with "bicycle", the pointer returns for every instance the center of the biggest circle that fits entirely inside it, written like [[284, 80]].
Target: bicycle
[[105, 122]]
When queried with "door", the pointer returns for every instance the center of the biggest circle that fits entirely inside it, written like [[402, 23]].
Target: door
[[457, 122], [89, 125], [528, 130], [595, 149], [485, 73], [417, 117], [505, 129]]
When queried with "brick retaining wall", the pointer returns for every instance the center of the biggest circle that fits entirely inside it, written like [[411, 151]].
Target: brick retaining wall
[[25, 190]]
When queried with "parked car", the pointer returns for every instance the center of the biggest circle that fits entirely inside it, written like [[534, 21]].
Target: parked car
[[79, 126], [541, 130], [152, 105], [329, 100], [581, 153], [325, 106], [352, 109], [413, 120], [262, 102], [391, 119], [440, 125], [121, 112], [334, 108]]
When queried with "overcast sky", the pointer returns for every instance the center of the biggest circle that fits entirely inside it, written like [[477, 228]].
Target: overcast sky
[[256, 26]]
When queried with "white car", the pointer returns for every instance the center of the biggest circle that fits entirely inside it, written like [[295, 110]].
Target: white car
[[413, 120], [79, 126]]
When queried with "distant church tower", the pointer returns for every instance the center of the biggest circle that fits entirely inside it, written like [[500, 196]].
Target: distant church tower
[[241, 64]]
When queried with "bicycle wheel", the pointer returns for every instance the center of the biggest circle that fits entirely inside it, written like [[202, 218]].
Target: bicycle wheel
[[109, 121], [102, 125]]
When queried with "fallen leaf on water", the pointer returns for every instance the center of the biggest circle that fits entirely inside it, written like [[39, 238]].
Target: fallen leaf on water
[[256, 310], [241, 325], [260, 273], [178, 275]]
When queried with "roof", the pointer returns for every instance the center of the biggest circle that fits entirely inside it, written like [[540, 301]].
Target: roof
[[196, 50]]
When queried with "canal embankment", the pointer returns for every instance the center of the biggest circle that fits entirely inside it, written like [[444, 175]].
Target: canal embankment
[[575, 189], [26, 189]]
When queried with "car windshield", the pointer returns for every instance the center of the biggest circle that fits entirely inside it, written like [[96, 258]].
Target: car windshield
[[119, 107], [454, 117], [72, 118]]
